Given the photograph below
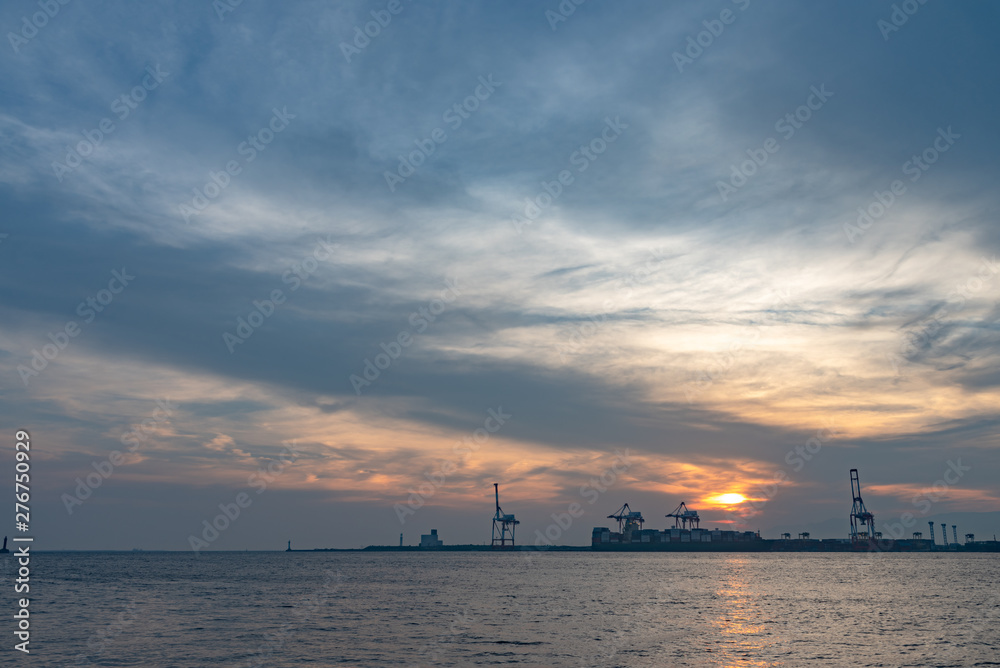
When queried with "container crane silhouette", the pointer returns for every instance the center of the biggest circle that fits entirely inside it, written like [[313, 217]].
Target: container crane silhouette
[[503, 524], [860, 517], [626, 516], [682, 517]]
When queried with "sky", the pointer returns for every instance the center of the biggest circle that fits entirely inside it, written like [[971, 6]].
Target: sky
[[333, 269]]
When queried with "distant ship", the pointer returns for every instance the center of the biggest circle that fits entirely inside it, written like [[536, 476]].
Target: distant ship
[[685, 536], [4, 550]]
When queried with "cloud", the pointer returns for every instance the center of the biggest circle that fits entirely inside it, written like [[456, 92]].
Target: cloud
[[637, 309]]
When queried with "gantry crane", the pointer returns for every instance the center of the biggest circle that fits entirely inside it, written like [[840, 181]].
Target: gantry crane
[[628, 519], [503, 525], [682, 517], [859, 514]]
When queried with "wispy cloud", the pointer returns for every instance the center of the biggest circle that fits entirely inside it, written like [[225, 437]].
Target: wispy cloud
[[635, 282]]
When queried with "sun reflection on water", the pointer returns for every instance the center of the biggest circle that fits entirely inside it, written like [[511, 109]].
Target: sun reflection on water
[[744, 636]]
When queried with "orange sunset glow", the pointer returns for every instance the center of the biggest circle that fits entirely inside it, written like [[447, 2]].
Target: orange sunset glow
[[727, 499]]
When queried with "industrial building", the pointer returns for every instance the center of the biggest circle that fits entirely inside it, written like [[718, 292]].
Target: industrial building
[[431, 539]]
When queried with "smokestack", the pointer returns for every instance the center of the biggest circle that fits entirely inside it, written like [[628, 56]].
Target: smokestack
[[954, 532], [931, 525], [944, 533]]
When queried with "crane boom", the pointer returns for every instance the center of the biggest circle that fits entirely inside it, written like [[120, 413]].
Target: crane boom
[[683, 516], [503, 524], [627, 518], [862, 521]]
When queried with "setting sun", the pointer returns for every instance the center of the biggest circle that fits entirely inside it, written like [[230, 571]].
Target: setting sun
[[729, 499]]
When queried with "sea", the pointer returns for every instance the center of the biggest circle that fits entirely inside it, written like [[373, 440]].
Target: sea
[[507, 609]]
